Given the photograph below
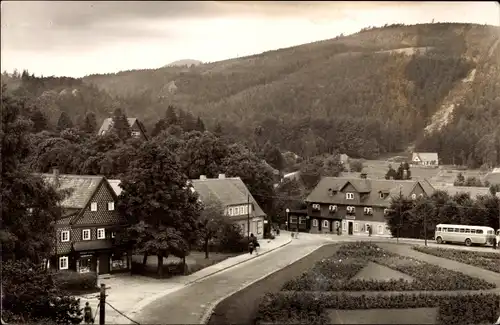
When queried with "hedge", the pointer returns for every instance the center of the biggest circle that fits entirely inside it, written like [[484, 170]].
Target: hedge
[[334, 274], [311, 308], [485, 260], [76, 282]]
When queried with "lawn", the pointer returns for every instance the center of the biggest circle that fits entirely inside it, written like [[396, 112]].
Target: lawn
[[363, 284], [173, 266], [485, 260]]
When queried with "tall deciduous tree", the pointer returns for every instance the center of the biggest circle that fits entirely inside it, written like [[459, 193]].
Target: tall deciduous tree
[[211, 220], [158, 203], [29, 206], [64, 122]]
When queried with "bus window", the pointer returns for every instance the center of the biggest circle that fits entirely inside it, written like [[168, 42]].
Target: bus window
[[473, 231], [462, 230], [450, 229], [457, 230], [438, 228], [479, 231], [490, 232], [467, 231]]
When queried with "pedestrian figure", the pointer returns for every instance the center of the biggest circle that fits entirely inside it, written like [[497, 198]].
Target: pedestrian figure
[[338, 230], [255, 243], [297, 235], [250, 247], [87, 312], [369, 231], [495, 243], [278, 231]]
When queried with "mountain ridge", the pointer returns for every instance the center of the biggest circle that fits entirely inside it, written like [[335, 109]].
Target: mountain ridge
[[371, 92]]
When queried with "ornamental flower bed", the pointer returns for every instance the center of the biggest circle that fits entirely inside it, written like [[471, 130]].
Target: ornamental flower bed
[[485, 260], [334, 274], [311, 308]]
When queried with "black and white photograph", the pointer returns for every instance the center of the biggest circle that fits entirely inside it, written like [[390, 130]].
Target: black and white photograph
[[250, 162]]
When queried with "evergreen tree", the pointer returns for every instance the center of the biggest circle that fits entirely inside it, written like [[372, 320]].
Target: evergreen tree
[[120, 125], [160, 126], [171, 116], [200, 126], [89, 124], [39, 120], [64, 122], [218, 130]]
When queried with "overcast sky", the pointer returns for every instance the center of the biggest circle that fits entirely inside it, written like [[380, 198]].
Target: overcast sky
[[84, 37]]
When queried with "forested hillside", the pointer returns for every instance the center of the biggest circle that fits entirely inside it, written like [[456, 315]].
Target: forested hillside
[[363, 94]]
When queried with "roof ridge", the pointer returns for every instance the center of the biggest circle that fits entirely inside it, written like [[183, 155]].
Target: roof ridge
[[72, 175]]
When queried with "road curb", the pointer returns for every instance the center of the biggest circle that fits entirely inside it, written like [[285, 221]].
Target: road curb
[[209, 312], [241, 262], [141, 305]]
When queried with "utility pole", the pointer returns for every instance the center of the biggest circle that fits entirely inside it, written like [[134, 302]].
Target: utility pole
[[399, 213], [425, 227], [102, 302]]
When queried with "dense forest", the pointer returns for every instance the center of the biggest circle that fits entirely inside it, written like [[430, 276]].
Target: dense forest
[[364, 94]]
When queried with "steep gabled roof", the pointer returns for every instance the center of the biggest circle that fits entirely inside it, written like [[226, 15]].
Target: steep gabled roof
[[228, 191], [426, 156], [108, 123], [80, 188], [329, 189], [115, 185]]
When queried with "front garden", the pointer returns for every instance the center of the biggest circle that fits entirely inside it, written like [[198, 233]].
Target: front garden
[[363, 283], [485, 260]]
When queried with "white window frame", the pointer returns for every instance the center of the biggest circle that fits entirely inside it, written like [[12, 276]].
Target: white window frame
[[293, 219], [326, 224], [386, 211], [315, 223], [93, 206], [86, 231], [414, 196], [245, 209], [249, 208], [351, 209], [381, 195], [302, 220], [113, 234], [62, 236], [66, 263], [111, 206], [349, 196], [103, 230], [356, 227], [368, 210], [380, 229], [135, 133], [316, 206], [230, 210], [344, 225], [332, 208]]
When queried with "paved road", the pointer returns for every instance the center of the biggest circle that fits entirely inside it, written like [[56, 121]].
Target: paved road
[[190, 304]]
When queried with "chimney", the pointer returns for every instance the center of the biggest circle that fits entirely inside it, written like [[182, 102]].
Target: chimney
[[363, 175], [203, 177], [55, 172], [222, 176]]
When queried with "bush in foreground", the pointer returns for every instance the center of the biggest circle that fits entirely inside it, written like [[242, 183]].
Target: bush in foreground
[[76, 282], [485, 260], [311, 307], [30, 294]]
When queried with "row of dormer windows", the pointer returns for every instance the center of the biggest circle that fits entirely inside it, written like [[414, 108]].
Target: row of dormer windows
[[350, 196], [350, 209], [93, 206], [86, 234], [239, 210]]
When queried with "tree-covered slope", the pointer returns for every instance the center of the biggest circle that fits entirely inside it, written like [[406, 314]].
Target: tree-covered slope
[[364, 94]]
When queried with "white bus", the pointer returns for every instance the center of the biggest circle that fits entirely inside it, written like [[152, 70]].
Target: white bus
[[464, 234]]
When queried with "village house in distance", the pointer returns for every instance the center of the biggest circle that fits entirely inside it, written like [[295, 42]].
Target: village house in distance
[[85, 232], [137, 129], [239, 204], [425, 159], [353, 204]]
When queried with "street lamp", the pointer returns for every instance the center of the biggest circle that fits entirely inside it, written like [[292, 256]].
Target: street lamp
[[287, 218]]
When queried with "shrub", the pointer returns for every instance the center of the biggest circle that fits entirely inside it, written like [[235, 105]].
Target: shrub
[[334, 274], [485, 260], [231, 240], [76, 282], [30, 294], [302, 307]]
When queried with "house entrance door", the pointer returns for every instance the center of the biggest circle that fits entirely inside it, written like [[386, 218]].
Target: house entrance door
[[103, 264], [350, 229]]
